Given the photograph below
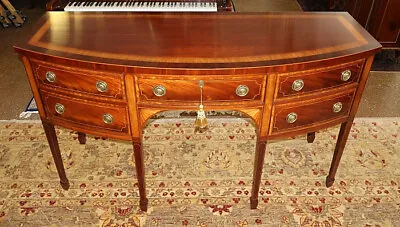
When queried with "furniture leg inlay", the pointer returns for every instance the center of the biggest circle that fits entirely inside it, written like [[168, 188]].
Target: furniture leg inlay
[[258, 167], [309, 79], [55, 151], [138, 154]]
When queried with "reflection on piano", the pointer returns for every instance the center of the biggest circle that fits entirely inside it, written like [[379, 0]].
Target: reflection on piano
[[142, 5]]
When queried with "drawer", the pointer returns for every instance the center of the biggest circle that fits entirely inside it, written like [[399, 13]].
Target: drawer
[[214, 89], [92, 82], [83, 112], [294, 115], [311, 81]]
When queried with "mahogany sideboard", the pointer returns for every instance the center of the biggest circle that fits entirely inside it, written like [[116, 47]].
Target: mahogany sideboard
[[106, 74]]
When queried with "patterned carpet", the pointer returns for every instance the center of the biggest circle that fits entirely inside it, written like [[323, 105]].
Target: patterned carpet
[[201, 179]]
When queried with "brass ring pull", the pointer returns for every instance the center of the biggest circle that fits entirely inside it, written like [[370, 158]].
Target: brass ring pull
[[337, 107], [60, 109], [298, 85], [108, 118], [159, 90], [51, 77], [291, 118], [101, 86], [242, 90], [346, 75]]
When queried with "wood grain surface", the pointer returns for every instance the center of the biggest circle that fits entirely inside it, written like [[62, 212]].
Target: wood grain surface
[[135, 53], [199, 40]]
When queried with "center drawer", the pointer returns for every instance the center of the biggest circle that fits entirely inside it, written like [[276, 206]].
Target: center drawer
[[244, 88], [76, 111]]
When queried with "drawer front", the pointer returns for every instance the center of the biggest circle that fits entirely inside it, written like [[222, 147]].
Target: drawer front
[[98, 83], [292, 116], [92, 114], [240, 89], [306, 82]]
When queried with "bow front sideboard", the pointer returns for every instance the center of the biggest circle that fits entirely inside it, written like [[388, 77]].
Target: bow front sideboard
[[106, 74]]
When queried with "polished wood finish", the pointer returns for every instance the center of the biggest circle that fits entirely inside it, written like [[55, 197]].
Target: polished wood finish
[[77, 80], [346, 126], [257, 172], [317, 81], [55, 151], [379, 17], [312, 112], [189, 90], [82, 138], [139, 164], [266, 52], [334, 37], [310, 137], [79, 111]]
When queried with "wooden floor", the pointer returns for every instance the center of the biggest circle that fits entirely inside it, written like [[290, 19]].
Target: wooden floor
[[380, 96]]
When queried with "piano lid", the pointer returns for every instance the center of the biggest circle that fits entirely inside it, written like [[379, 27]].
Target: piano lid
[[199, 40]]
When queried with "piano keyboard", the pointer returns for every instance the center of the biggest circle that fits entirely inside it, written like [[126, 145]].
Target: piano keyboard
[[140, 6]]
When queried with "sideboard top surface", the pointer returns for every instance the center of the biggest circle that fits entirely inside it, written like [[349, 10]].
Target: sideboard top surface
[[198, 40]]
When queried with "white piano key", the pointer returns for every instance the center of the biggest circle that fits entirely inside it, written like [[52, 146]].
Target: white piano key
[[145, 7]]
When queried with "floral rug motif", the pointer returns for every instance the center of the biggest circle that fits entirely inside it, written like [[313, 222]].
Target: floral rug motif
[[201, 178]]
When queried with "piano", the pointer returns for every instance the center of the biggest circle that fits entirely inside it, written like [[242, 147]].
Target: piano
[[141, 6]]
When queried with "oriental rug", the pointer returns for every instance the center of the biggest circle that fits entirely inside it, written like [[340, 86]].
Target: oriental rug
[[201, 178]]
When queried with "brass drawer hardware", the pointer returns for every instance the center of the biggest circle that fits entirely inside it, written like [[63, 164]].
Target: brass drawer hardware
[[159, 90], [50, 76], [242, 90], [346, 75], [298, 85], [337, 107], [291, 118], [101, 86], [60, 109], [108, 118]]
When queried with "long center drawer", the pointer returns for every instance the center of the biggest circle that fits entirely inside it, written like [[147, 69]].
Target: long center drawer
[[216, 89]]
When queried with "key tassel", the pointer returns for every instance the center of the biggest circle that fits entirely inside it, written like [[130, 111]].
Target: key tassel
[[201, 119]]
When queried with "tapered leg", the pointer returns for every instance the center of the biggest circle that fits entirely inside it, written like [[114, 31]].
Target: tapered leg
[[341, 142], [258, 167], [310, 137], [82, 138], [139, 163], [55, 151]]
